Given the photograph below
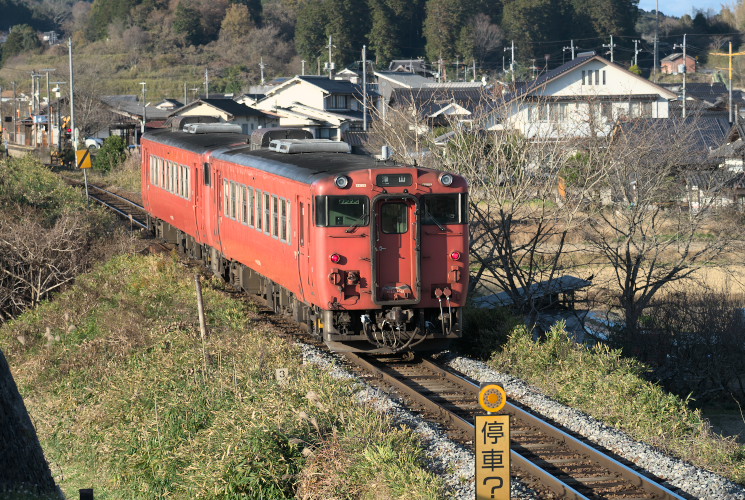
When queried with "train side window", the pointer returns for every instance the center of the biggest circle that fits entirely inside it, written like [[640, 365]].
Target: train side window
[[300, 225], [244, 205], [188, 183], [226, 195], [286, 228], [259, 213], [275, 216], [267, 213], [207, 175], [233, 200], [251, 206]]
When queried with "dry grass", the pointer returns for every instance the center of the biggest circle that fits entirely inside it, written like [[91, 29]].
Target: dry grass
[[112, 373]]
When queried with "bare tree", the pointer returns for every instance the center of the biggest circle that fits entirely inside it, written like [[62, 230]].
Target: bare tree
[[649, 236], [523, 210], [36, 261]]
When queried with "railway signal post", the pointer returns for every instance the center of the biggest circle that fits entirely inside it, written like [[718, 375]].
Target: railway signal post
[[492, 446]]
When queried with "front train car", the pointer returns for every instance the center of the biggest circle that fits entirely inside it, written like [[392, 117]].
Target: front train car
[[369, 255]]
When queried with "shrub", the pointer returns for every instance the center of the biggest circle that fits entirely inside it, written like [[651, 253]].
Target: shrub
[[111, 154]]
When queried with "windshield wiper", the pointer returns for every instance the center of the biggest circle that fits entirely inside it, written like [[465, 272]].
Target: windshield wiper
[[432, 217], [359, 222]]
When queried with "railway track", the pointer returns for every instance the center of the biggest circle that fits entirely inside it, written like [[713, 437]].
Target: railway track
[[549, 459], [553, 462], [125, 208]]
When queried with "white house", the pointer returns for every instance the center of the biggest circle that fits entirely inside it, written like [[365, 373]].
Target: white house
[[227, 110], [582, 98], [326, 108]]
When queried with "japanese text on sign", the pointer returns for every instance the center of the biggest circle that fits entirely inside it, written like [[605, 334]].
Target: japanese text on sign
[[493, 457]]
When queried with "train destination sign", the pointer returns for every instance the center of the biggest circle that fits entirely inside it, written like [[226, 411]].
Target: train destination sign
[[393, 180]]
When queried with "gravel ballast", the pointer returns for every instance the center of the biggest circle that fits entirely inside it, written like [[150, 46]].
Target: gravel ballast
[[455, 463]]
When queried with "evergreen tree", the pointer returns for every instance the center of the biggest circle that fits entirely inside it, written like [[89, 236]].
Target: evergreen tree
[[22, 38], [310, 30], [349, 24], [443, 26], [396, 29], [103, 12], [383, 41], [187, 23], [532, 22], [237, 23]]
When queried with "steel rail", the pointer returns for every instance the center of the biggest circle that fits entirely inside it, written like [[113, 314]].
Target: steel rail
[[522, 462]]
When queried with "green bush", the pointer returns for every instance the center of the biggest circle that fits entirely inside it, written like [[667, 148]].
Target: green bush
[[111, 155], [611, 388]]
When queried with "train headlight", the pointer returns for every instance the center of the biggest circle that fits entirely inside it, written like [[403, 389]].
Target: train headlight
[[455, 255], [342, 181], [335, 258], [446, 179]]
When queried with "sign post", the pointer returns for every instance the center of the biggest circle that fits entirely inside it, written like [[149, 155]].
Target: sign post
[[83, 158], [492, 446]]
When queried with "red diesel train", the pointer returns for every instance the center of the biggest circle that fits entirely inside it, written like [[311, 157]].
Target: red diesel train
[[369, 255]]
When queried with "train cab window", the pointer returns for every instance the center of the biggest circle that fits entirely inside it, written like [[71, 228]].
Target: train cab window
[[342, 211], [443, 209], [394, 218]]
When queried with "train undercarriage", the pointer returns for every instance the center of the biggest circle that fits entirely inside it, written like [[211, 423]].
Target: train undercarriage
[[389, 329]]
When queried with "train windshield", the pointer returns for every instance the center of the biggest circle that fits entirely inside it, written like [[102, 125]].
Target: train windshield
[[342, 211], [443, 209]]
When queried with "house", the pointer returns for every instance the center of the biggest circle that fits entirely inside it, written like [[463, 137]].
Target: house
[[169, 104], [674, 64], [327, 108], [250, 99], [704, 98], [228, 110], [442, 105], [123, 116], [417, 66], [390, 80], [581, 98]]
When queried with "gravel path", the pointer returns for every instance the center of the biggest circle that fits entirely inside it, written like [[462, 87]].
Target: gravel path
[[455, 463]]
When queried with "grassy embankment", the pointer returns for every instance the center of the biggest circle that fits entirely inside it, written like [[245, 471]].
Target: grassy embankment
[[611, 388], [123, 403], [113, 376]]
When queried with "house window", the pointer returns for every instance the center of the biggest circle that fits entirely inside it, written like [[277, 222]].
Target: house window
[[606, 110], [597, 77], [558, 111], [542, 110], [583, 77], [337, 102], [603, 77], [327, 133]]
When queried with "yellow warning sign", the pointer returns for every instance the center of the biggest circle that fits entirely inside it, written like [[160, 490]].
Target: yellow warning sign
[[84, 158], [492, 398], [492, 457]]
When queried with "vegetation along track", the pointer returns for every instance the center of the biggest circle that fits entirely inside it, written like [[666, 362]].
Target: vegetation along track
[[550, 459], [547, 457]]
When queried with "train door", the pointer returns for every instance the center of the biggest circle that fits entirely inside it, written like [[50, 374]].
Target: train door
[[395, 250], [198, 193], [303, 247], [207, 205]]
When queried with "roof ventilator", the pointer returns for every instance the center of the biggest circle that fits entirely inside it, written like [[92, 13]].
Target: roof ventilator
[[309, 146], [211, 128]]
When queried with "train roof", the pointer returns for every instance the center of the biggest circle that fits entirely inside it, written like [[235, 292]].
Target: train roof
[[301, 167]]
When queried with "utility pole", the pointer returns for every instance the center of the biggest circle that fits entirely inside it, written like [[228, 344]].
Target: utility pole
[[533, 67], [72, 118], [364, 88], [685, 71], [611, 46], [512, 60], [439, 70], [49, 109], [302, 71], [730, 54], [35, 106], [636, 52], [207, 83], [330, 45], [564, 49], [656, 32], [474, 70], [59, 114], [15, 113], [144, 110], [457, 63], [185, 96], [262, 66]]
